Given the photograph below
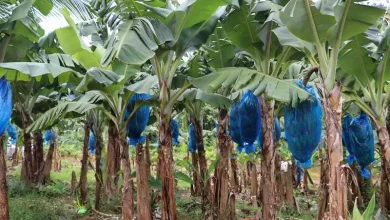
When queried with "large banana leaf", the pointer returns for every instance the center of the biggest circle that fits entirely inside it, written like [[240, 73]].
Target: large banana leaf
[[136, 41], [196, 35], [359, 18], [241, 79], [50, 117], [215, 100], [296, 18], [220, 51], [241, 29], [37, 70], [74, 46], [356, 61]]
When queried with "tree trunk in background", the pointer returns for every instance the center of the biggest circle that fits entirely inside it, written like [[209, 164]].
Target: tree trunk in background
[[287, 182], [27, 164], [268, 169], [57, 160], [305, 182], [195, 188], [254, 182], [323, 191], [279, 183], [165, 156], [38, 155], [84, 165], [98, 173], [127, 190], [353, 181], [332, 105], [147, 157], [221, 190], [73, 183], [205, 186], [143, 197], [384, 144], [45, 174], [234, 181], [4, 209], [113, 160], [15, 156]]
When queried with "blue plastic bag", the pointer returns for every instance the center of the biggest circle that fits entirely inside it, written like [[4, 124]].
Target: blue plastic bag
[[175, 128], [362, 141], [191, 146], [12, 133], [303, 126], [277, 131], [6, 104], [91, 143], [346, 138], [249, 120], [49, 136], [235, 131], [139, 121]]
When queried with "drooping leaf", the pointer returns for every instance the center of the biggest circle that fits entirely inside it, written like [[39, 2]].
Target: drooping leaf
[[39, 69], [240, 79], [215, 100], [144, 85], [49, 117]]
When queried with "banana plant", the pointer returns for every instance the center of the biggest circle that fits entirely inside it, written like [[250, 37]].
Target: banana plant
[[327, 25], [369, 90], [163, 41], [251, 29]]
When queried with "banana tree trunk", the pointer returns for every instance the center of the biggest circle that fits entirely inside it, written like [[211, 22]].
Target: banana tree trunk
[[84, 165], [113, 160], [268, 166], [205, 186], [143, 197], [15, 156], [99, 173], [332, 105], [165, 158], [127, 191], [45, 174], [254, 183], [196, 189], [27, 164], [323, 192], [221, 190], [234, 181], [57, 159], [147, 156], [384, 144], [4, 209], [38, 154]]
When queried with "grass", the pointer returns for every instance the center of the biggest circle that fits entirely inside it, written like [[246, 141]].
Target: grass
[[49, 203], [55, 201]]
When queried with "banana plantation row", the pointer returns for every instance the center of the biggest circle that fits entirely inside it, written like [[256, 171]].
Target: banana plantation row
[[130, 64]]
